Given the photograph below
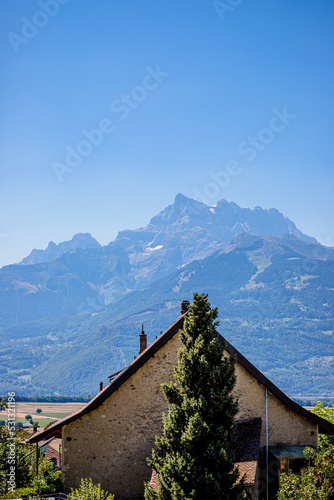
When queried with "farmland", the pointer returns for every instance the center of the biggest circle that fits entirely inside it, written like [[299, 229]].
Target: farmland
[[51, 412]]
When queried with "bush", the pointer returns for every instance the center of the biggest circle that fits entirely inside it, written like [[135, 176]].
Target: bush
[[39, 410], [48, 480], [315, 482], [328, 414], [28, 417], [87, 491], [26, 480], [22, 468], [20, 493]]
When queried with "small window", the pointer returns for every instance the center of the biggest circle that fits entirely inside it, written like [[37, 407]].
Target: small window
[[296, 464]]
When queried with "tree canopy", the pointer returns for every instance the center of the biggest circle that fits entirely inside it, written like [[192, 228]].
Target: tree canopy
[[192, 460]]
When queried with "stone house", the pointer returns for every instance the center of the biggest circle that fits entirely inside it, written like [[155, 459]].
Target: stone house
[[110, 438]]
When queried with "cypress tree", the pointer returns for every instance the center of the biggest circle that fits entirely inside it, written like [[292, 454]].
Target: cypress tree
[[192, 460]]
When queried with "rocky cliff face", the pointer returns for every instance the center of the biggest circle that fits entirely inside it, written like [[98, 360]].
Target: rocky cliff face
[[276, 302], [188, 230], [53, 251], [80, 275]]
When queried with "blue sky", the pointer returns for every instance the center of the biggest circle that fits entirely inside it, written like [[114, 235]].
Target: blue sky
[[231, 100]]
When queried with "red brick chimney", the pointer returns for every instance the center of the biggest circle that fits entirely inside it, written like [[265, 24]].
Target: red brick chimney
[[142, 340]]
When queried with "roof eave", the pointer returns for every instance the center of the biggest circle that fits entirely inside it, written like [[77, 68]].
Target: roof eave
[[115, 383], [325, 427]]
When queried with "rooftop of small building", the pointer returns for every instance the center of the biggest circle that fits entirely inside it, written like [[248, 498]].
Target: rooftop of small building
[[245, 448], [122, 376]]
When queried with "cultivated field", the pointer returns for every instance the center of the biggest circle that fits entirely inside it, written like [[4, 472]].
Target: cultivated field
[[50, 411]]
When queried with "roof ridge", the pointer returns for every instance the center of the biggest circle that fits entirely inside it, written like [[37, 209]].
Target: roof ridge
[[324, 425]]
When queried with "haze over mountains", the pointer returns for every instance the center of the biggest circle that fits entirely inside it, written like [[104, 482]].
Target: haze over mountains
[[80, 240], [72, 312], [80, 274]]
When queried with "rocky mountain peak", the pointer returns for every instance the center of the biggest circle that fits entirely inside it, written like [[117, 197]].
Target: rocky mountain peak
[[53, 251]]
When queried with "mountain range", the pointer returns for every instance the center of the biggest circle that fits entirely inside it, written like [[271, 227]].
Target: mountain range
[[72, 313]]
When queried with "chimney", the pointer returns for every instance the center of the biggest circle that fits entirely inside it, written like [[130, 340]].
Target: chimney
[[184, 306], [142, 340], [101, 386]]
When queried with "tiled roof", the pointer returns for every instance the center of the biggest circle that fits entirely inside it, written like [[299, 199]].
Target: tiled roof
[[245, 447], [154, 482], [51, 452]]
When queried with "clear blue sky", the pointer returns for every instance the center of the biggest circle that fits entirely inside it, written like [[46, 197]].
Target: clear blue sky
[[180, 91]]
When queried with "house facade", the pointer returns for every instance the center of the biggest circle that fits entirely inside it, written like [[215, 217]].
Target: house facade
[[111, 437]]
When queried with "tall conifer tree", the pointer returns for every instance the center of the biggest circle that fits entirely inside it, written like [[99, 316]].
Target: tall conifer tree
[[192, 461]]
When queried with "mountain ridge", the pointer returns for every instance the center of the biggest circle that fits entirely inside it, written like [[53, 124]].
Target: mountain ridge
[[77, 317], [95, 276], [53, 250], [270, 294]]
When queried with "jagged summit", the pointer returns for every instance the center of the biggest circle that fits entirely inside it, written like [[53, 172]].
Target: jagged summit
[[244, 258], [184, 231], [181, 200], [53, 251]]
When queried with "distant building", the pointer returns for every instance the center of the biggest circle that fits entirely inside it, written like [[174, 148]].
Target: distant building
[[110, 438], [51, 454]]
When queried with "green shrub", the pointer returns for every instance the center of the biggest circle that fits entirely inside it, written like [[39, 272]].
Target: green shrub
[[47, 480], [87, 491], [20, 493], [315, 482], [22, 466], [328, 414]]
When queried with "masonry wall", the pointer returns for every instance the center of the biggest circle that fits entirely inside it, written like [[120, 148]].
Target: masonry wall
[[111, 444], [285, 427]]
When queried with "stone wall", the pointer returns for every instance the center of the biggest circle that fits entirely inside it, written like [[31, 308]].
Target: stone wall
[[285, 427], [111, 444]]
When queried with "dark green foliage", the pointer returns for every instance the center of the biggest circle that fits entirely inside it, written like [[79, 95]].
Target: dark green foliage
[[325, 441], [13, 457], [193, 461], [315, 482], [18, 470], [47, 480], [87, 490], [54, 399], [3, 404]]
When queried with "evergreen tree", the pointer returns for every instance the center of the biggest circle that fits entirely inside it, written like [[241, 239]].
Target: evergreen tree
[[192, 461]]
